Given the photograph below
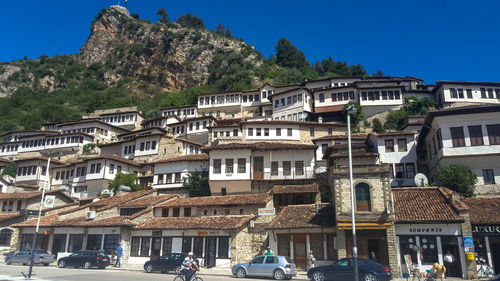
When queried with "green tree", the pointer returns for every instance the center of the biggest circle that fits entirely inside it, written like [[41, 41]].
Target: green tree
[[152, 114], [228, 33], [379, 73], [377, 126], [458, 178], [220, 29], [190, 21], [288, 55], [125, 179], [356, 116], [10, 170], [197, 184], [43, 58], [393, 118], [162, 13], [415, 106]]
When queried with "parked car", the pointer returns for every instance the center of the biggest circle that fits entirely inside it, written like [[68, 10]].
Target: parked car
[[24, 256], [495, 278], [344, 270], [166, 263], [85, 259], [278, 267]]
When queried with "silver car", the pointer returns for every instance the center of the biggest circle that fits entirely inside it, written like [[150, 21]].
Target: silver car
[[24, 256], [278, 267]]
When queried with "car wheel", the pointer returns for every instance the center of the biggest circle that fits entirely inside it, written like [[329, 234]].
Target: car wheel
[[370, 277], [8, 262], [279, 274], [61, 264], [318, 276], [178, 270], [241, 273], [149, 268], [87, 265]]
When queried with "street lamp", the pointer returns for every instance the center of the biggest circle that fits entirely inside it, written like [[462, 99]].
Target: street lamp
[[49, 155], [351, 109]]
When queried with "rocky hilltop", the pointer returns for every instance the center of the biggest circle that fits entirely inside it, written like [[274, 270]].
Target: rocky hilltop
[[164, 54]]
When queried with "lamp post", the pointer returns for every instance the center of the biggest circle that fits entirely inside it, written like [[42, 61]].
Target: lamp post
[[350, 109]]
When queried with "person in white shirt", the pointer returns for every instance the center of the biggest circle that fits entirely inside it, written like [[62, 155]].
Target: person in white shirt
[[449, 261], [189, 266]]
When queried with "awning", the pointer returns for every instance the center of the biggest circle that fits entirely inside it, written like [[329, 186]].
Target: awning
[[364, 225]]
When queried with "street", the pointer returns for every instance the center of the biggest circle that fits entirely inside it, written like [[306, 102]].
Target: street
[[52, 273]]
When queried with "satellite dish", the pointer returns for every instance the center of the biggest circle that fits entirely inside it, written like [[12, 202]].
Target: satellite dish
[[304, 115], [421, 180]]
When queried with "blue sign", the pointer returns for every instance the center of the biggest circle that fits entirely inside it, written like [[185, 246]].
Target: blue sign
[[468, 244]]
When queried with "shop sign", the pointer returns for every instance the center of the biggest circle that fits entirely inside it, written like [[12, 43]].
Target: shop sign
[[202, 233], [208, 233], [267, 211], [428, 229], [486, 229], [468, 244]]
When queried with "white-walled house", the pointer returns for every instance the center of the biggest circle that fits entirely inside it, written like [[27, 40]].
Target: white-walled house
[[33, 171], [163, 122], [101, 131], [325, 142], [468, 136], [128, 119], [182, 112], [293, 105], [172, 173], [399, 150], [462, 93], [234, 167]]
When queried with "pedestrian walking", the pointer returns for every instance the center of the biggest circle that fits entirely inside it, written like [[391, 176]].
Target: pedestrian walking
[[311, 260], [449, 261], [268, 252], [119, 252]]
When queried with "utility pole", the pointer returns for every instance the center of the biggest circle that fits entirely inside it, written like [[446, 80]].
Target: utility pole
[[351, 108]]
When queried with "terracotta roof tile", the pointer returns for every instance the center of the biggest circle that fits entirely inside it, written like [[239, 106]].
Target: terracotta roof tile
[[52, 160], [5, 160], [8, 216], [290, 122], [260, 146], [53, 221], [116, 158], [343, 137], [114, 201], [304, 216], [184, 158], [484, 211], [146, 201], [246, 199], [33, 194], [303, 188], [395, 133], [424, 205], [216, 223]]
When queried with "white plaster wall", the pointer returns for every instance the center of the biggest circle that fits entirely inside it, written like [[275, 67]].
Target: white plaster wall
[[226, 154], [272, 132]]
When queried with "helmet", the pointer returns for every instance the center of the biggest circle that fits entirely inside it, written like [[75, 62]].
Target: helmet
[[190, 254]]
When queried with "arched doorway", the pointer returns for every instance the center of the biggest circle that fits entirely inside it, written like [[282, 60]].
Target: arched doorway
[[5, 237]]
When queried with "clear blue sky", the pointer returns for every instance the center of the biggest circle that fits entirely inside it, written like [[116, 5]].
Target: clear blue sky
[[434, 40]]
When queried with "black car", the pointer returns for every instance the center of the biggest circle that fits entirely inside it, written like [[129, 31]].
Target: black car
[[85, 259], [344, 270], [166, 263]]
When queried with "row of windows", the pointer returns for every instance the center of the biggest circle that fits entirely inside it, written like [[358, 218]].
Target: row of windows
[[64, 174], [223, 99], [287, 168], [9, 148], [129, 149], [197, 124], [51, 141], [290, 117], [169, 178], [289, 100], [377, 95], [241, 168], [265, 132], [226, 133], [148, 145], [29, 170], [339, 96], [185, 112], [89, 130], [475, 135], [403, 170], [402, 145], [119, 118], [141, 246], [8, 206]]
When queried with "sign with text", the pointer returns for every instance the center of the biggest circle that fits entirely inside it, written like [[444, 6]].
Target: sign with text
[[468, 244], [486, 230], [267, 211], [428, 229]]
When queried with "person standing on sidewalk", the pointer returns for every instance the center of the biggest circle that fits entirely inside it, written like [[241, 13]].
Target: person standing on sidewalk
[[119, 252], [311, 260], [449, 261]]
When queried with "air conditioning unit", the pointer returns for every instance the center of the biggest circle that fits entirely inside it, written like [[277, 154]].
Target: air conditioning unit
[[91, 215]]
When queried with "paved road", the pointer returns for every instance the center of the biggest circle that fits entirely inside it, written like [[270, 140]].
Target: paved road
[[13, 272]]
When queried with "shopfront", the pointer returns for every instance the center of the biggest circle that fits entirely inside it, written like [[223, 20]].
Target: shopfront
[[425, 244], [487, 245]]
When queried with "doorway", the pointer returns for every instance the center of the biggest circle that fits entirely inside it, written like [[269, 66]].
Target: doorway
[[299, 250], [58, 244], [155, 248], [210, 252], [450, 243], [495, 253], [368, 241], [258, 167]]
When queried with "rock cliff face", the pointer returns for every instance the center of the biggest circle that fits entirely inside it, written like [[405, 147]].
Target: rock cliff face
[[164, 53]]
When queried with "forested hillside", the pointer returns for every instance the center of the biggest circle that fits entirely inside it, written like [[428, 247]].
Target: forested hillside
[[130, 61]]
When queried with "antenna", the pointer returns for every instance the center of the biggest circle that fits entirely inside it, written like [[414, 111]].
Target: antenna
[[421, 180]]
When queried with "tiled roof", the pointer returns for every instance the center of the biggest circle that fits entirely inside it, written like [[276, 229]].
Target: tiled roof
[[303, 188], [343, 137], [304, 216], [116, 158], [33, 194], [185, 158], [233, 200], [260, 146], [146, 201], [5, 160], [53, 221], [52, 160], [209, 223], [484, 211], [289, 122], [424, 205], [395, 133], [114, 201], [355, 153], [8, 216]]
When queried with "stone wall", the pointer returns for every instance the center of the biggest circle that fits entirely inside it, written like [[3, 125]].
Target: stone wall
[[247, 243]]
